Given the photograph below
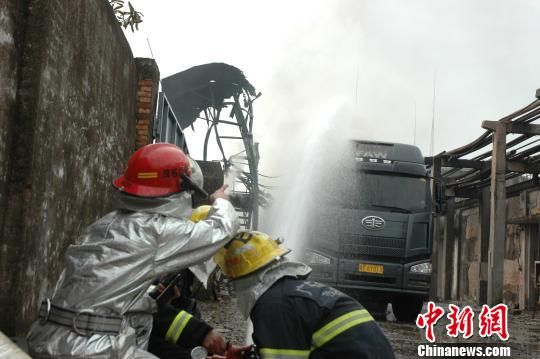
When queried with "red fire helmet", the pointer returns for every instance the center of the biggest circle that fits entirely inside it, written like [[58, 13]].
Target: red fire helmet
[[154, 170]]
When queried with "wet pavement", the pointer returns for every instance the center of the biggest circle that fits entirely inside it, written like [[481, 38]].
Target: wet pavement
[[524, 330]]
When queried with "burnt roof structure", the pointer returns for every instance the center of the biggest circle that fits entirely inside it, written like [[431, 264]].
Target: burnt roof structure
[[200, 87], [467, 169], [204, 92], [504, 161]]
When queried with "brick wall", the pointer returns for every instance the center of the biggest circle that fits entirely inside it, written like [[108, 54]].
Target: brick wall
[[147, 88], [144, 112]]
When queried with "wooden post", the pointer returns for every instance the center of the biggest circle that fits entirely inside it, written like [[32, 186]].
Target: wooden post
[[484, 245], [435, 244], [497, 225], [449, 248]]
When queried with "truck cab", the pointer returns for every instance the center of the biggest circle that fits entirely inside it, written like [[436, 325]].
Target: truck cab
[[370, 235]]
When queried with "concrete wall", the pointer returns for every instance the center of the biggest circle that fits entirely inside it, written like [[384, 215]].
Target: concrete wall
[[12, 19], [72, 129], [10, 16]]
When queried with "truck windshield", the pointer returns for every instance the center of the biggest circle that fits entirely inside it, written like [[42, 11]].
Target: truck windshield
[[384, 191]]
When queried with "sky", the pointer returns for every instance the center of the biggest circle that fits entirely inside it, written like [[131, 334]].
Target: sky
[[368, 69]]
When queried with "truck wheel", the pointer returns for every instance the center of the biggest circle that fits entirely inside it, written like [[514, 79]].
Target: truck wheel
[[406, 309]]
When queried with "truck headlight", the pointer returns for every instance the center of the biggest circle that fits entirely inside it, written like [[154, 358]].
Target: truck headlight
[[423, 268], [316, 258]]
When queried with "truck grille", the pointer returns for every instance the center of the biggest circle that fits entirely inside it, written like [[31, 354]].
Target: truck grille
[[367, 278], [354, 245]]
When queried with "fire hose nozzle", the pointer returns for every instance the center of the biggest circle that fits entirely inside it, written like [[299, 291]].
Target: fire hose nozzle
[[199, 353]]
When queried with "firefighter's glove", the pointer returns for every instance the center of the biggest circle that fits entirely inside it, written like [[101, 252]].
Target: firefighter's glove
[[214, 343], [237, 352], [219, 193]]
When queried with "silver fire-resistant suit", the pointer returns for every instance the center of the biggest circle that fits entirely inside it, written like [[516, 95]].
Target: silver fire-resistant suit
[[107, 274]]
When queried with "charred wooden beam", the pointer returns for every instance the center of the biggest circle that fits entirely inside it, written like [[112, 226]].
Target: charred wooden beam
[[512, 127], [511, 166], [460, 163], [467, 203], [523, 167], [515, 189], [462, 193], [497, 223]]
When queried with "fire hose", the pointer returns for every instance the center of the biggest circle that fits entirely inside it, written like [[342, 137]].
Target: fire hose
[[232, 352]]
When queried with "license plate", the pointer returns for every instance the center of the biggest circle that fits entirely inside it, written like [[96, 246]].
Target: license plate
[[371, 268]]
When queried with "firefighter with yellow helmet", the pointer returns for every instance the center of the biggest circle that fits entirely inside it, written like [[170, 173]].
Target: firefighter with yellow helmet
[[292, 317]]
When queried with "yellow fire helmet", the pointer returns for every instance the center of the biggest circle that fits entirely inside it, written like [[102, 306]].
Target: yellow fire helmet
[[247, 252], [200, 213]]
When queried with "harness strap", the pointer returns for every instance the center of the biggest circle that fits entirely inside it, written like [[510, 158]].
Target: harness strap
[[83, 321]]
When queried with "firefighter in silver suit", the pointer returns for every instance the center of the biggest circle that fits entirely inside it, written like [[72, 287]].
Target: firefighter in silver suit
[[99, 307]]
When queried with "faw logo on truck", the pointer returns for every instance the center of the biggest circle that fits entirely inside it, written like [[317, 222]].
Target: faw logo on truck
[[373, 223], [373, 150]]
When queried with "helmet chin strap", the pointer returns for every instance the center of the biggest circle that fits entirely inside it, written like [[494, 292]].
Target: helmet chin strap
[[188, 184]]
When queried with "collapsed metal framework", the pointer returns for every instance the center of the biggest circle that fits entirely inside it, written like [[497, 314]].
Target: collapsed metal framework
[[488, 177], [245, 191], [205, 92]]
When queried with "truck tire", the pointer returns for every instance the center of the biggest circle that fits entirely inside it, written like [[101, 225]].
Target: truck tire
[[406, 309]]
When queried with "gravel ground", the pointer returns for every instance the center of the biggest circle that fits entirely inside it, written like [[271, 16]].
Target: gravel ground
[[225, 318], [404, 337]]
